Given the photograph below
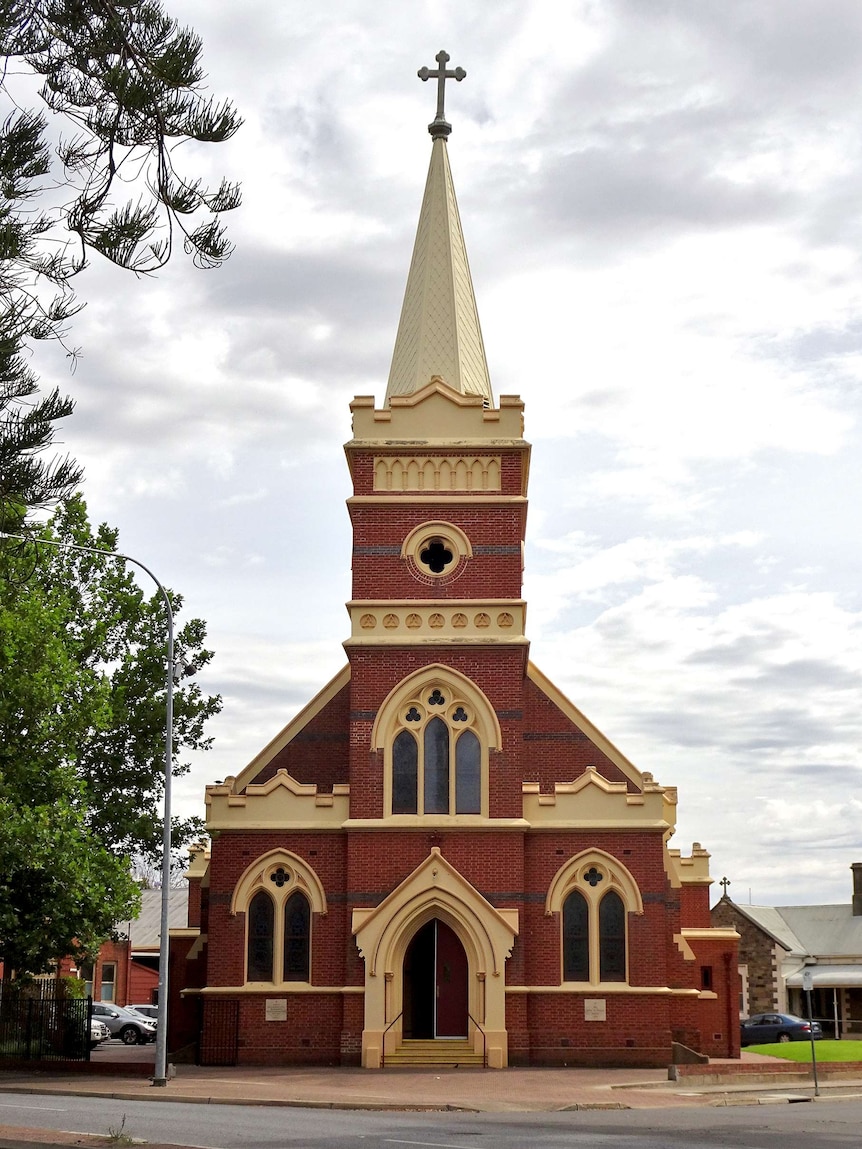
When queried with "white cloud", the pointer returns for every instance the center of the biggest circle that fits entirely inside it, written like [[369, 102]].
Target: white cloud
[[661, 209]]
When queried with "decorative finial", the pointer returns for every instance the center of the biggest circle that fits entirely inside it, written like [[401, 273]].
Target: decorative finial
[[439, 128], [724, 883]]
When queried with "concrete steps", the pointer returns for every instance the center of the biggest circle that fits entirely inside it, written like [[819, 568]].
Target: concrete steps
[[442, 1053]]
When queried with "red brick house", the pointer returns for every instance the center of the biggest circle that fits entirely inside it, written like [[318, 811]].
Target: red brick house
[[441, 857]]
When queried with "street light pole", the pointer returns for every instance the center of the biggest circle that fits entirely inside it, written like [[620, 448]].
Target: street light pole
[[160, 1075]]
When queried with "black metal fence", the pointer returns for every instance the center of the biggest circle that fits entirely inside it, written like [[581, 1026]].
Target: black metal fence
[[38, 1023]]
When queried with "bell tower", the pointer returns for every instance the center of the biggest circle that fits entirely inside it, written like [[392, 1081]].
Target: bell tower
[[439, 498]]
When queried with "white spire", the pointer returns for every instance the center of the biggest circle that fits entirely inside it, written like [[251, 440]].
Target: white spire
[[439, 334]]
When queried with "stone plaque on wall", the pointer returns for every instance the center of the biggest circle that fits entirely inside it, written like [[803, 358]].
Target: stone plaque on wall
[[276, 1009], [595, 1009]]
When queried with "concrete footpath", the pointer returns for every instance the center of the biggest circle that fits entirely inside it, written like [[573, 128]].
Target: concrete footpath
[[469, 1090]]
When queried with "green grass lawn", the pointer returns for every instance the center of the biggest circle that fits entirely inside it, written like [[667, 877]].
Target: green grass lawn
[[801, 1050]]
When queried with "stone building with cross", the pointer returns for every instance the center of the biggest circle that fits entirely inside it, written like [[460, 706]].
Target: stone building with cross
[[440, 859]]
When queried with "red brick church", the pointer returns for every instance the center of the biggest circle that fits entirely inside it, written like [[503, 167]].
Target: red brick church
[[440, 858]]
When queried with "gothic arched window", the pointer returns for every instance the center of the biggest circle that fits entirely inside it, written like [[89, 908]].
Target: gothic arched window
[[279, 893], [297, 935], [612, 938], [576, 938], [594, 893], [436, 732], [261, 937]]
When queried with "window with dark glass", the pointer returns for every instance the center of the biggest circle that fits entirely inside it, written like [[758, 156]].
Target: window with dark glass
[[436, 767], [261, 922], [576, 938], [468, 774], [297, 922], [405, 773], [612, 938]]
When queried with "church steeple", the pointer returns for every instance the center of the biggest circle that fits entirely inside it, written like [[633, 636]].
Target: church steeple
[[439, 333]]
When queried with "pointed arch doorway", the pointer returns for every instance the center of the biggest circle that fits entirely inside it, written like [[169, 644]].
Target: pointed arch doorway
[[435, 987]]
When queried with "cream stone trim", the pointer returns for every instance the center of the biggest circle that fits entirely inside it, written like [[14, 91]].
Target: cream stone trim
[[257, 988], [448, 533], [183, 932], [607, 987], [296, 724], [439, 675], [592, 732], [474, 822], [451, 500], [591, 800], [710, 933], [684, 948], [443, 473], [435, 889], [396, 621], [279, 803], [693, 870], [199, 861], [198, 948], [303, 878], [436, 414], [570, 877]]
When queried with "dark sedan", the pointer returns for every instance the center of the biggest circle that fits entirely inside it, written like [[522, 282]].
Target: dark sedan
[[766, 1027]]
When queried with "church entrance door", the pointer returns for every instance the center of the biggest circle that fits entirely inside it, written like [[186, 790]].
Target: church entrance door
[[435, 984]]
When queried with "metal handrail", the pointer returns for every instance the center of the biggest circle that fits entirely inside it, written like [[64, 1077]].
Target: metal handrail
[[383, 1039], [484, 1040]]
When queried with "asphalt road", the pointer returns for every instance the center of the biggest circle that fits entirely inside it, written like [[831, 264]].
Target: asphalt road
[[822, 1125]]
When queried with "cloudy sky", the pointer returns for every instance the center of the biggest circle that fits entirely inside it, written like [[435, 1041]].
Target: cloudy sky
[[662, 204]]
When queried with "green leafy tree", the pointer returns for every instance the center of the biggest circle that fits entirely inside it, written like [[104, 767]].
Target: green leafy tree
[[82, 715], [128, 82]]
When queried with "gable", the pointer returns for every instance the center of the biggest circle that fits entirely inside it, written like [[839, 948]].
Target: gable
[[313, 747], [561, 742]]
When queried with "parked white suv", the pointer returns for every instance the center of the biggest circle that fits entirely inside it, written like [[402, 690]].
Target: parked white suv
[[129, 1026]]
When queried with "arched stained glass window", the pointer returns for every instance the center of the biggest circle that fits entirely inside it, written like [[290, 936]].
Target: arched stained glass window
[[436, 748], [405, 773], [576, 938], [297, 922], [261, 930], [612, 938], [436, 767], [468, 774]]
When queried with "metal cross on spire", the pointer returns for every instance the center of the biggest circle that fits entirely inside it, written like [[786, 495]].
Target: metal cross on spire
[[724, 883], [439, 128]]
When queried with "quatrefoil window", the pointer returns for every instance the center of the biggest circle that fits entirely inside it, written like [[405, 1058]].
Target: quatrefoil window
[[593, 876], [437, 555], [280, 876]]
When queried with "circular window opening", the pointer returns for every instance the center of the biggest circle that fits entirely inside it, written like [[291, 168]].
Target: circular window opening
[[437, 555], [436, 550]]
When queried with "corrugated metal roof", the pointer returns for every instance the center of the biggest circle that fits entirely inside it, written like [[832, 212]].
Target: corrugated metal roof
[[827, 930], [769, 918], [144, 932]]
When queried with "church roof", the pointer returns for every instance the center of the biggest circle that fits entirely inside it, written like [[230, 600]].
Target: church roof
[[439, 333]]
